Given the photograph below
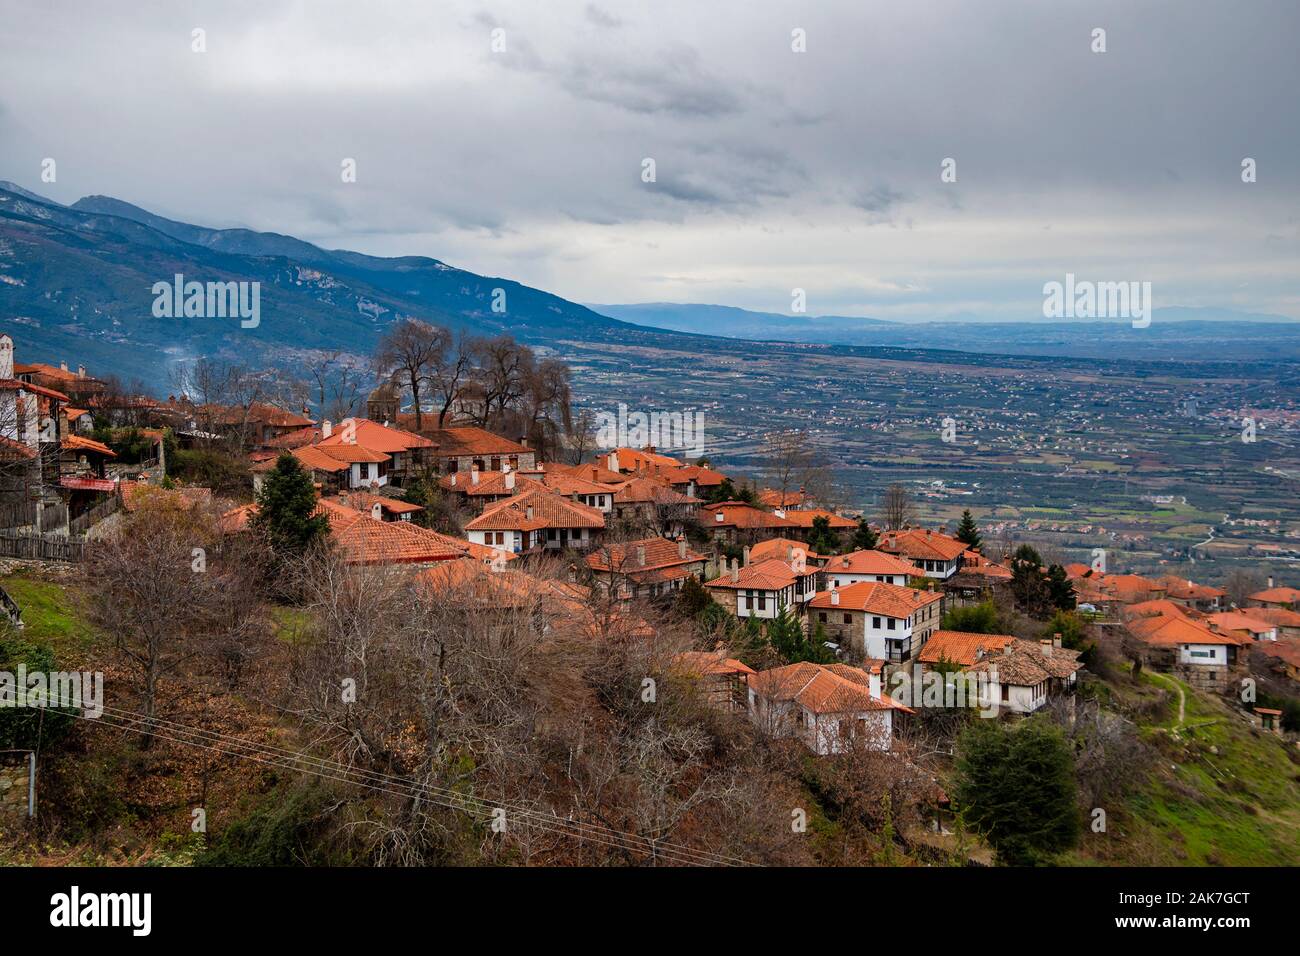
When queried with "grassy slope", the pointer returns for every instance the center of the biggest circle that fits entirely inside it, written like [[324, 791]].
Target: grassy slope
[[1221, 792]]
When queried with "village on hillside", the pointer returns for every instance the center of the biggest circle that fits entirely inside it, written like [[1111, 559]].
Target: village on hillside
[[815, 626]]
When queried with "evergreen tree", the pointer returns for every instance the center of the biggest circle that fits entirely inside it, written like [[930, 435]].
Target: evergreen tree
[[1029, 583], [284, 508], [1016, 786], [865, 537], [1060, 588], [967, 533], [786, 635], [823, 540], [693, 599]]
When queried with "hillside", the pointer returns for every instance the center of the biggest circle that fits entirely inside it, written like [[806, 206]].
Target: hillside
[[75, 281]]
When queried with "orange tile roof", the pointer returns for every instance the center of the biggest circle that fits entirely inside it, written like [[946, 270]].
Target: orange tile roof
[[1025, 664], [377, 437], [13, 385], [773, 498], [876, 597], [363, 501], [80, 443], [871, 562], [11, 450], [961, 647], [921, 544], [703, 477], [783, 549], [805, 518], [549, 510], [621, 557], [1282, 595], [1239, 621], [738, 514], [75, 413], [1177, 587], [367, 541], [462, 441], [491, 484], [1277, 616], [1172, 629], [771, 574], [650, 491], [564, 483], [820, 689], [592, 471]]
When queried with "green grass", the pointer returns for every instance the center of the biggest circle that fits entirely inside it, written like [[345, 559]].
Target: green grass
[[1220, 793], [50, 615]]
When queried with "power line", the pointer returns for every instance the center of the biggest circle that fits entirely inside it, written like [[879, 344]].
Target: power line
[[220, 742]]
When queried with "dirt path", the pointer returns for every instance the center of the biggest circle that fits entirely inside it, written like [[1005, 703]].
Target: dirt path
[[1182, 700]]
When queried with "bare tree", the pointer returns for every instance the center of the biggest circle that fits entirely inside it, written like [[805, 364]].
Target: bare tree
[[411, 348], [450, 369], [896, 509]]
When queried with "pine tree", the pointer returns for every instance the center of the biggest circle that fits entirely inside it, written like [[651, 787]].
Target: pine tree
[[284, 508], [1060, 588], [823, 540], [1017, 788], [967, 532], [865, 537]]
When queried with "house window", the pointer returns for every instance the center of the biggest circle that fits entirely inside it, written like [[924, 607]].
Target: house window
[[821, 616], [875, 622], [892, 625], [848, 618], [1006, 693]]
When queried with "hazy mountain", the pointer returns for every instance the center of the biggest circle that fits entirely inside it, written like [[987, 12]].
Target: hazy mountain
[[75, 285], [1175, 334]]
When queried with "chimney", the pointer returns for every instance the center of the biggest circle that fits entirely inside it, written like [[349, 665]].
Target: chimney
[[377, 511], [33, 427], [789, 552], [835, 596], [1270, 582], [523, 441], [1046, 646], [719, 517], [510, 481], [735, 571], [845, 562], [454, 476], [506, 467], [744, 555], [528, 512], [873, 683], [81, 371], [640, 555], [326, 428], [473, 476], [6, 357], [1056, 640], [613, 461], [681, 548], [1006, 651], [63, 366]]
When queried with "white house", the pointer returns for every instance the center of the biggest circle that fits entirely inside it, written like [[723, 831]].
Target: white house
[[537, 519], [766, 588], [878, 566], [832, 708], [936, 554], [877, 620]]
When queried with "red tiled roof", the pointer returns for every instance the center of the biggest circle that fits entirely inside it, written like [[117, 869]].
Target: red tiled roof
[[805, 518], [876, 597], [462, 441], [80, 443], [1239, 621], [548, 511], [820, 689], [870, 562], [372, 435], [621, 557], [649, 491], [961, 647], [771, 574], [709, 664], [921, 544], [783, 549], [13, 385], [738, 514], [1282, 595]]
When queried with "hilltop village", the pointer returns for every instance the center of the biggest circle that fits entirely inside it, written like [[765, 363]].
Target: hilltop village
[[819, 627]]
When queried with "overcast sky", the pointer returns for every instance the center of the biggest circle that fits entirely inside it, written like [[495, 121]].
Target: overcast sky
[[775, 169]]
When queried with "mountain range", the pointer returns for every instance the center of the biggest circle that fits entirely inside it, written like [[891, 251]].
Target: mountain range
[[76, 285], [76, 281]]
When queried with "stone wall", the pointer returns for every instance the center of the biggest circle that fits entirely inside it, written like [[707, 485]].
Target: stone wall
[[14, 781]]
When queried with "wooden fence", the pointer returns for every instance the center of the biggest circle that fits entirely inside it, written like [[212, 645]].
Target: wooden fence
[[34, 547]]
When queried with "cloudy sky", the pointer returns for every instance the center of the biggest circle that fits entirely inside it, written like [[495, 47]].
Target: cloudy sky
[[774, 169]]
